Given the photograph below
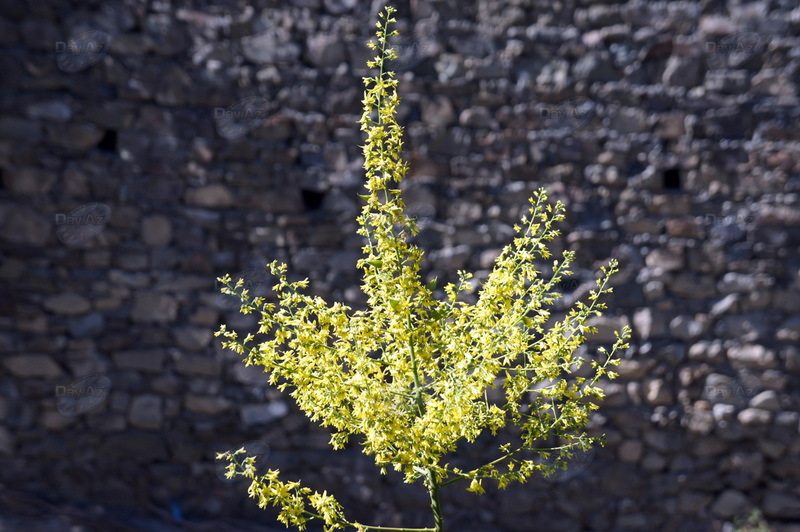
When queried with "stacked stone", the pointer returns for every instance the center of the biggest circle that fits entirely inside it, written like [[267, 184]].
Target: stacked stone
[[147, 150]]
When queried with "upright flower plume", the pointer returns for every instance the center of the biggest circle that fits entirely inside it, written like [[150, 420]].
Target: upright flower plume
[[409, 376]]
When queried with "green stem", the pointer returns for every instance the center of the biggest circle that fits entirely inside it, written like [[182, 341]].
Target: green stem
[[433, 489]]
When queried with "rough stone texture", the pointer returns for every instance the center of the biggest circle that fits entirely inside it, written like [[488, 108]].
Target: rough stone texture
[[211, 196], [730, 503], [156, 231], [262, 414], [207, 405], [68, 304], [149, 360], [146, 412], [751, 356], [152, 307], [668, 128], [25, 366]]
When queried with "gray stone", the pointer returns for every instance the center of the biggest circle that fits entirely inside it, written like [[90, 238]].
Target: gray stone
[[184, 283], [438, 112], [339, 7], [25, 226], [669, 260], [78, 137], [250, 375], [631, 369], [723, 412], [743, 470], [173, 86], [706, 351], [270, 47], [211, 406], [653, 462], [734, 391], [627, 120], [451, 259], [786, 301], [91, 324], [595, 67], [197, 365], [150, 360], [730, 503], [692, 286], [6, 442], [146, 412], [53, 110], [67, 304], [192, 338], [649, 323], [786, 467], [615, 393], [767, 400], [770, 82], [780, 505], [684, 228], [715, 24], [260, 414], [55, 421], [156, 231], [656, 392], [169, 385], [39, 34], [750, 327], [25, 366], [210, 196], [701, 421], [307, 260], [791, 356], [664, 442], [693, 501], [686, 328], [136, 445], [129, 279], [727, 304], [83, 359], [671, 125], [606, 326], [20, 129], [727, 82], [149, 307], [683, 72], [754, 417], [29, 180], [733, 282], [630, 451], [477, 117], [789, 330], [325, 51], [751, 356], [707, 446]]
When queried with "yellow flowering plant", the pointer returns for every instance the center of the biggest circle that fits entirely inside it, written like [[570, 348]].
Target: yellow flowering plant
[[410, 375]]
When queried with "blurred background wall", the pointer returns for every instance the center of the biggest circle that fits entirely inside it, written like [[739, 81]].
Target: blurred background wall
[[147, 148]]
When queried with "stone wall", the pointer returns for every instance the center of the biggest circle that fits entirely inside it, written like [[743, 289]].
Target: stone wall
[[169, 143]]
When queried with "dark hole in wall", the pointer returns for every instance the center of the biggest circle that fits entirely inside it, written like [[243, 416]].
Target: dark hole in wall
[[312, 199], [109, 142], [672, 179]]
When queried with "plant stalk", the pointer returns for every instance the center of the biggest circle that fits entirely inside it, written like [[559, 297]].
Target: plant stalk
[[433, 489]]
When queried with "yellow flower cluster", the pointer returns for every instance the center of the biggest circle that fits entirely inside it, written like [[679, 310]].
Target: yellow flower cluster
[[409, 376]]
